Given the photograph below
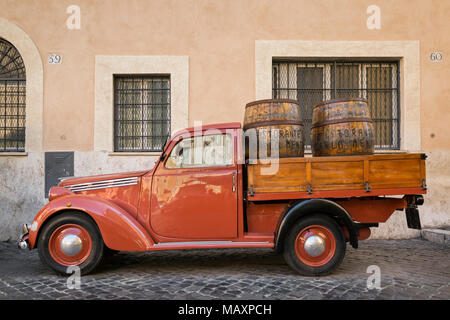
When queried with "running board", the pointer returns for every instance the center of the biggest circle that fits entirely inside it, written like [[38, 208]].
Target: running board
[[211, 244]]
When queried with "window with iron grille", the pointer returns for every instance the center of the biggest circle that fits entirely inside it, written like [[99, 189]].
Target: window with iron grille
[[12, 99], [311, 82], [141, 112]]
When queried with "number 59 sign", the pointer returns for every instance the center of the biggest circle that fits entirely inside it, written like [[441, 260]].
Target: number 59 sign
[[54, 58]]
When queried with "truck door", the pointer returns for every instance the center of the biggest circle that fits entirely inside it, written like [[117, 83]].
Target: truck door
[[194, 192]]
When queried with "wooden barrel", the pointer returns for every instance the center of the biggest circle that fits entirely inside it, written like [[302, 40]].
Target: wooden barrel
[[268, 121], [342, 127]]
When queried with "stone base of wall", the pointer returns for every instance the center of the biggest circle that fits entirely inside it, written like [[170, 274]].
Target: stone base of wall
[[97, 162], [22, 190]]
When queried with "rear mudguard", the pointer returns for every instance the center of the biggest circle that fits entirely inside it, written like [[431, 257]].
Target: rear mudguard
[[119, 230], [312, 206]]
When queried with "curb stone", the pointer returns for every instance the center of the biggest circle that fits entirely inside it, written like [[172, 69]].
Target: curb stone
[[441, 236]]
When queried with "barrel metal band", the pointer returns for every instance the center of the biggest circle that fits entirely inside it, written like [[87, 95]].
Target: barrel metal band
[[269, 123], [327, 122]]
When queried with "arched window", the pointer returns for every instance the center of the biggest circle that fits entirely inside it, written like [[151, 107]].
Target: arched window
[[12, 99]]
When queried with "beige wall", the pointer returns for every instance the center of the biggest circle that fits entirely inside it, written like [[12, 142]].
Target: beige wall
[[219, 39]]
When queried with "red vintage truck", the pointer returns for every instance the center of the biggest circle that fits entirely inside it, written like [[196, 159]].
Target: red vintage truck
[[307, 208]]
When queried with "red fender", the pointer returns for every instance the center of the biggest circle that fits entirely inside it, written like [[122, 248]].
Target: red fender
[[119, 230]]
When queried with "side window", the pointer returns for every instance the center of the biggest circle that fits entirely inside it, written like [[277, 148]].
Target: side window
[[202, 151]]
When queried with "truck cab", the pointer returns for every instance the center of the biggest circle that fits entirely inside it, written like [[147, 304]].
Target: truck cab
[[203, 193]]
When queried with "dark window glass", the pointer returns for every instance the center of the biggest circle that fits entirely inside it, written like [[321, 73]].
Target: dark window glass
[[12, 99], [311, 82]]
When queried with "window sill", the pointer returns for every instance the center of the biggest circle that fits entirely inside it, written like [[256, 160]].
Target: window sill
[[13, 154], [391, 151], [308, 153], [148, 154]]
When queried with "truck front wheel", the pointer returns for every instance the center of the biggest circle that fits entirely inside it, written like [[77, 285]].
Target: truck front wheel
[[315, 245], [70, 240]]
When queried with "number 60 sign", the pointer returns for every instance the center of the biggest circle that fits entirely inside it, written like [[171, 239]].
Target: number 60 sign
[[436, 56]]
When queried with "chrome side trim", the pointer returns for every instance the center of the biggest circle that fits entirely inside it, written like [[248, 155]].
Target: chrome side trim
[[103, 187], [113, 183], [207, 242]]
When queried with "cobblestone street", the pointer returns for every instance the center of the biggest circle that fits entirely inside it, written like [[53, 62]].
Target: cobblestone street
[[410, 269]]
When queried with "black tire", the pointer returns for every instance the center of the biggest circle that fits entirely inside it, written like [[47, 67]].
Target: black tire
[[107, 252], [74, 218], [332, 258]]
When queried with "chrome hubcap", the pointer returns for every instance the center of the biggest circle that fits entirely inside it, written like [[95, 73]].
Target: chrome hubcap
[[71, 245], [314, 245]]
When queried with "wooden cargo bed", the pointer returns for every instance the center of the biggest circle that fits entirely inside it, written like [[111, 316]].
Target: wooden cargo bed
[[336, 177]]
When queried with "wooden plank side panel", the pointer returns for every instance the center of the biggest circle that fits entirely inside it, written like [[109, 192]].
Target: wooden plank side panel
[[397, 173], [339, 173], [289, 177]]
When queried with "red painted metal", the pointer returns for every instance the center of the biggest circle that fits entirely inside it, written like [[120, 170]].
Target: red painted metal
[[364, 233], [368, 210], [264, 217], [231, 126], [119, 229], [194, 203], [54, 245], [56, 192], [126, 197], [330, 245]]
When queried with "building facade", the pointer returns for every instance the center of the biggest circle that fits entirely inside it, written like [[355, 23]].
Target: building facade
[[91, 87]]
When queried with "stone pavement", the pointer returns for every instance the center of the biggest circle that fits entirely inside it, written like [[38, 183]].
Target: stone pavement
[[410, 269]]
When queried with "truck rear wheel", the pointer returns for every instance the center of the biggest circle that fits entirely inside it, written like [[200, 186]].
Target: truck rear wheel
[[69, 240], [315, 245]]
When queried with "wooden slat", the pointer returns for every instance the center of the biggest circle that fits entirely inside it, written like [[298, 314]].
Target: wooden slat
[[395, 173], [290, 176], [327, 174], [366, 171]]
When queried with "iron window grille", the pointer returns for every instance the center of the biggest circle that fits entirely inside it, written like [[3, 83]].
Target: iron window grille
[[141, 112], [311, 82], [12, 99]]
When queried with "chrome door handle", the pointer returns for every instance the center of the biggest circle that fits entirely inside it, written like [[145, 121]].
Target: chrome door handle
[[234, 182]]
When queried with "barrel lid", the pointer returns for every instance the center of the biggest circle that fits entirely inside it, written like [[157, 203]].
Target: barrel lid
[[271, 101], [340, 100]]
